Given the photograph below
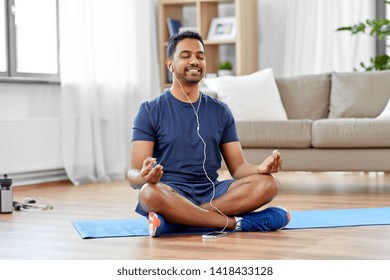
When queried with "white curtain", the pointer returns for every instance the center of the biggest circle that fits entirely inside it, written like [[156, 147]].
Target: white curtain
[[109, 64], [312, 43]]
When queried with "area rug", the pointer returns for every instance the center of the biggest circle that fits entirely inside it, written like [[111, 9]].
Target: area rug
[[299, 220]]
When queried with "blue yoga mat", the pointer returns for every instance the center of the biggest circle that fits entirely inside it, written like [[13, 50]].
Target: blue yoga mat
[[112, 228], [299, 220], [339, 218], [123, 228]]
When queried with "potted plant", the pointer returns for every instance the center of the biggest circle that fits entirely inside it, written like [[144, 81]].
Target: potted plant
[[378, 28], [225, 68]]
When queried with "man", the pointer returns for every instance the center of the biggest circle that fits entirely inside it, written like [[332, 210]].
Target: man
[[178, 139]]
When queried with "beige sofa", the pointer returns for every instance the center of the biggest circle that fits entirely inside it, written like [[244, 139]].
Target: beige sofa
[[332, 125]]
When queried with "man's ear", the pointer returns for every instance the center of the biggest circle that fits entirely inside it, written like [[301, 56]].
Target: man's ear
[[169, 64]]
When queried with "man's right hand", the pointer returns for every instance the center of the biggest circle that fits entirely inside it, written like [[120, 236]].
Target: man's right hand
[[151, 172]]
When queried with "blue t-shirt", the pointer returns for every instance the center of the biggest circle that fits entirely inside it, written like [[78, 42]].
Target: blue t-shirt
[[172, 125]]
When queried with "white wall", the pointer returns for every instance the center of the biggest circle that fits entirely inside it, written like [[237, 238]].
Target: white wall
[[30, 149], [25, 100], [271, 25]]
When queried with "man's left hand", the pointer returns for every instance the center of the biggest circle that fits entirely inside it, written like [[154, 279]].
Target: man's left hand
[[271, 164]]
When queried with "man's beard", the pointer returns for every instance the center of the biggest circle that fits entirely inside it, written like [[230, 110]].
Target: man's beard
[[193, 79]]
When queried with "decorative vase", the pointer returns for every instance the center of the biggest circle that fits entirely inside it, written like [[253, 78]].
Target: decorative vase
[[224, 72]]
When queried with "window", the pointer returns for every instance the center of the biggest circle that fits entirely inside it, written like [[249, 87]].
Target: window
[[29, 40]]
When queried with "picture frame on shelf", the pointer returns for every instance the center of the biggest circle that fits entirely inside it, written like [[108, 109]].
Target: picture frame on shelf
[[222, 28]]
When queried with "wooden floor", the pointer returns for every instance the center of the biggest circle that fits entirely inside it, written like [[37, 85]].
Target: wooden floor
[[49, 234]]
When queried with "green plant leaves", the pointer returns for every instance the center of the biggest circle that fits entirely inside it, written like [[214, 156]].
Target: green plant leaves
[[378, 28], [356, 28], [378, 63], [226, 65]]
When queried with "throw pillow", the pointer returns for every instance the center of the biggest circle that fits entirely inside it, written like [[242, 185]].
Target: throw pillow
[[386, 112], [359, 94], [305, 96], [250, 97]]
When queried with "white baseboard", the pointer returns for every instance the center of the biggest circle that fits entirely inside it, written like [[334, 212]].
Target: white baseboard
[[31, 150], [37, 177]]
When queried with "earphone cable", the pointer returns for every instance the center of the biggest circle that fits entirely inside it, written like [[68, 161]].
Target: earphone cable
[[204, 151]]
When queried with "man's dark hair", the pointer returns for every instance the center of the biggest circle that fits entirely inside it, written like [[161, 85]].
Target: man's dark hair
[[176, 38]]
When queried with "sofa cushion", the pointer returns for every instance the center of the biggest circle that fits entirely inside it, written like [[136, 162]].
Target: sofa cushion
[[386, 112], [275, 134], [251, 97], [305, 97], [351, 133], [359, 94]]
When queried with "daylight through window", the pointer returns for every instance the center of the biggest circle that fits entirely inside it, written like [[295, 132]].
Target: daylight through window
[[29, 39]]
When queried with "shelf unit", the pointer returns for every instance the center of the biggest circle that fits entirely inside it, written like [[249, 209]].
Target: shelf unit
[[245, 44]]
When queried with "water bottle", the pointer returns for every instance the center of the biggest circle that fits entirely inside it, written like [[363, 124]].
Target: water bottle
[[6, 195]]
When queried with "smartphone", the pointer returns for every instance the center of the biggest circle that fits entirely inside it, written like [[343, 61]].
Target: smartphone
[[214, 234]]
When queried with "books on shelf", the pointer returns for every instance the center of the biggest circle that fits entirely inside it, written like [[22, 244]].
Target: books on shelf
[[173, 26]]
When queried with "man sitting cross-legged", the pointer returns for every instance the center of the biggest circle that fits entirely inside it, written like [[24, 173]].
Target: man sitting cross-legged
[[178, 142]]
